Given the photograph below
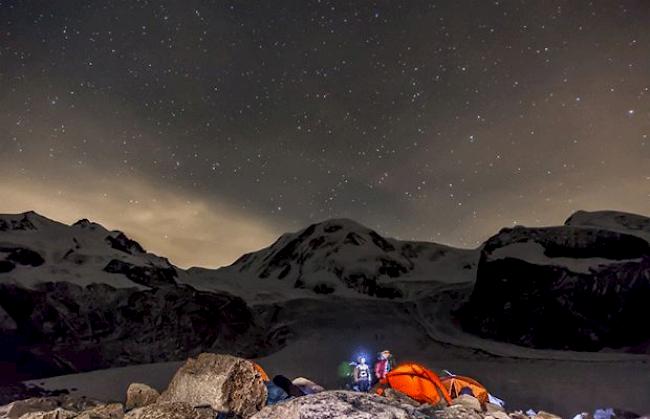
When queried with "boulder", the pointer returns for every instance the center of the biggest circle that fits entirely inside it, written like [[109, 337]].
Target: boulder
[[398, 396], [105, 411], [174, 410], [140, 395], [545, 415], [491, 408], [41, 405], [223, 382], [456, 411], [468, 401], [339, 404], [57, 413]]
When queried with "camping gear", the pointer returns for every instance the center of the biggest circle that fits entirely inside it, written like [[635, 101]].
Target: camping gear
[[456, 383], [604, 413], [275, 393], [345, 369], [263, 374], [285, 384], [417, 382], [307, 386], [495, 400]]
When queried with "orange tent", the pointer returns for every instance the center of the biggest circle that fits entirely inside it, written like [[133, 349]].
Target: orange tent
[[455, 383], [416, 382], [263, 374]]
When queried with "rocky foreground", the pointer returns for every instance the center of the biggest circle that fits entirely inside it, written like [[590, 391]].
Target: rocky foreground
[[223, 386]]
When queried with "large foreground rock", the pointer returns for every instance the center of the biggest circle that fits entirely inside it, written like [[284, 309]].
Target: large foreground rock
[[224, 382], [468, 402], [106, 411], [140, 395], [19, 408], [579, 286], [57, 413], [458, 411], [340, 404], [169, 411]]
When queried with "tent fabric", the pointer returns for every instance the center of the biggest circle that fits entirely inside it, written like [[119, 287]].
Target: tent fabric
[[260, 370], [456, 383], [417, 382]]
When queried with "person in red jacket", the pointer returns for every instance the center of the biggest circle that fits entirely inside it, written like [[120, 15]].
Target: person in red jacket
[[383, 365]]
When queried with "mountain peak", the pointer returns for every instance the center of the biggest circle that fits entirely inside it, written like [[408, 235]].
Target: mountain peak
[[85, 223], [334, 224], [28, 220], [341, 253], [623, 222]]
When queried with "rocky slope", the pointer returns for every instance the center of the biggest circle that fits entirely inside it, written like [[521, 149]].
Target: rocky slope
[[581, 286], [80, 297]]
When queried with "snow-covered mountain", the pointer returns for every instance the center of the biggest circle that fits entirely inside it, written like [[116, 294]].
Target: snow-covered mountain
[[80, 297], [580, 286], [342, 257], [35, 249], [624, 222]]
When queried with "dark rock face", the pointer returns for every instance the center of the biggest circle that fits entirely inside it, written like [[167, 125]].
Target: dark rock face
[[6, 266], [571, 287], [149, 276], [23, 223], [21, 256], [120, 241], [63, 328]]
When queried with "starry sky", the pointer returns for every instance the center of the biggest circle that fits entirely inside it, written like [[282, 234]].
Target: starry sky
[[204, 129]]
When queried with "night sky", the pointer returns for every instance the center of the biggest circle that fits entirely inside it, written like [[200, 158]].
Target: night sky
[[204, 129]]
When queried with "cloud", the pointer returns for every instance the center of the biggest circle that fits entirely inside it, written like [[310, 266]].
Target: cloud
[[189, 230]]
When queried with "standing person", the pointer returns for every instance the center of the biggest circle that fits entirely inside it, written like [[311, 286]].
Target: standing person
[[392, 363], [345, 374], [382, 366], [362, 375]]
